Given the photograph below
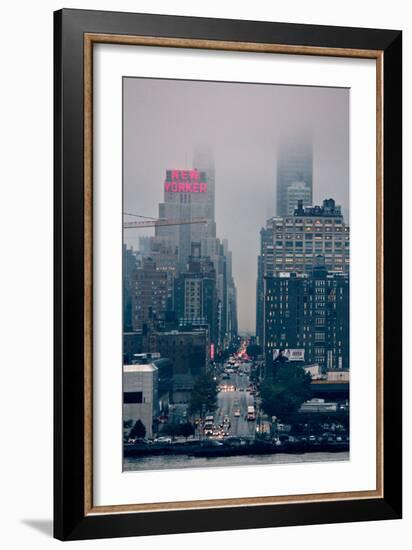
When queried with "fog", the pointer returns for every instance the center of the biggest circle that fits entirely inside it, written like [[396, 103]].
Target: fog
[[166, 120]]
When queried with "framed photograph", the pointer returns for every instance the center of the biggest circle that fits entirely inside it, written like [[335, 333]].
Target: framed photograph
[[227, 274]]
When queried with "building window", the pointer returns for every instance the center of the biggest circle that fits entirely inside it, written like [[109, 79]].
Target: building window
[[132, 397]]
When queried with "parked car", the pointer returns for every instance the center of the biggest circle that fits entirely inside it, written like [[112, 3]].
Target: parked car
[[163, 439]]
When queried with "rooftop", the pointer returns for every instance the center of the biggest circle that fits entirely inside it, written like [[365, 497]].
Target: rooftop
[[139, 368], [328, 209]]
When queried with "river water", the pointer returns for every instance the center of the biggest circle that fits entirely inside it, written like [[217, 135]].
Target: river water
[[184, 461]]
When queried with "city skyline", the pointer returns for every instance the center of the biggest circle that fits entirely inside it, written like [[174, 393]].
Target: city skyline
[[242, 125]]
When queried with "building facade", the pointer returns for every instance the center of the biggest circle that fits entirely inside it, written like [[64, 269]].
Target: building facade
[[188, 196], [130, 265], [195, 297], [188, 353], [149, 295], [291, 244], [140, 400], [311, 313]]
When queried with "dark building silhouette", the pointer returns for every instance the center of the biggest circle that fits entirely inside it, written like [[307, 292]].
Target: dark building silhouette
[[309, 312]]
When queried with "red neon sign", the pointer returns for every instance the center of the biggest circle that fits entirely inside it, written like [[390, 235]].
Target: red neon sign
[[173, 187], [185, 181]]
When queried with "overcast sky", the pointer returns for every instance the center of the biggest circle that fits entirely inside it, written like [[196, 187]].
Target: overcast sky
[[165, 120]]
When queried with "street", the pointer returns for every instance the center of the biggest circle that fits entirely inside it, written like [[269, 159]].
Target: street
[[236, 397]]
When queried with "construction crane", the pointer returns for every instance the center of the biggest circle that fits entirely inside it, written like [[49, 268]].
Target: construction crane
[[156, 222]]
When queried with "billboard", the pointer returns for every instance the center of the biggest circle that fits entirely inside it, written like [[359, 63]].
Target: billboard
[[291, 354]]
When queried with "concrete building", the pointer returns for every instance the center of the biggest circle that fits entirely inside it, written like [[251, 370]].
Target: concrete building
[[292, 243], [140, 400]]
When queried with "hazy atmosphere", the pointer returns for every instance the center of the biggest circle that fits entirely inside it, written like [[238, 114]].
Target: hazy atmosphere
[[165, 120]]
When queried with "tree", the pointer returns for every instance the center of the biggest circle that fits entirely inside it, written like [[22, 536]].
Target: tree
[[284, 394], [187, 429], [138, 431], [171, 428], [204, 394]]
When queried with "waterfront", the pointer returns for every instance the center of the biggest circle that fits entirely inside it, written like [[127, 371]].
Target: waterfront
[[185, 461]]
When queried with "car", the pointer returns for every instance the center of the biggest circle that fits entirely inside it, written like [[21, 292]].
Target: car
[[237, 412], [163, 439]]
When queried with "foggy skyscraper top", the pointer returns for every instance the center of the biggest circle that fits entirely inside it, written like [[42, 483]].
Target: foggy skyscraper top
[[294, 165], [203, 160]]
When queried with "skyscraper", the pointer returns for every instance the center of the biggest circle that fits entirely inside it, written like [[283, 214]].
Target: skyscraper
[[292, 244], [294, 164], [187, 197]]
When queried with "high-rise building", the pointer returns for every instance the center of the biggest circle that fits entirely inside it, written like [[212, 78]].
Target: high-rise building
[[292, 243], [195, 297], [265, 241], [294, 164], [129, 267], [308, 312], [231, 297], [295, 241], [187, 197], [190, 195], [166, 259], [220, 255], [149, 295], [200, 287]]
